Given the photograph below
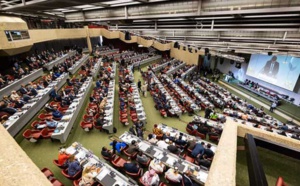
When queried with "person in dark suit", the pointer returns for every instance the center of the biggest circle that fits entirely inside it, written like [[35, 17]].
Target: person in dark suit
[[106, 153], [131, 167], [271, 68], [187, 180]]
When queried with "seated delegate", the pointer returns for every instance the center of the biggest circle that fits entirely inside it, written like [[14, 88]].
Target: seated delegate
[[63, 156], [173, 175], [131, 167], [73, 166], [150, 178], [88, 175], [106, 153]]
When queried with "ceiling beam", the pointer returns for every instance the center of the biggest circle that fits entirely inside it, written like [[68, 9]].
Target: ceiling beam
[[142, 1]]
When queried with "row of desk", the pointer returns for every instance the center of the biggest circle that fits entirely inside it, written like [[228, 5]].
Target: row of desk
[[136, 99], [182, 94], [204, 86], [16, 85], [268, 97], [175, 109], [96, 68], [108, 176], [161, 66], [174, 69], [16, 122], [57, 61], [109, 107], [191, 90], [148, 60], [64, 126], [188, 72], [109, 52], [169, 159], [78, 64]]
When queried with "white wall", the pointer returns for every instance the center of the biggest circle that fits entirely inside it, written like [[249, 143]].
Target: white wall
[[240, 74]]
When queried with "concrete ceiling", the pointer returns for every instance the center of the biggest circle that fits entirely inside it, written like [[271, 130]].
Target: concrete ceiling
[[241, 25]]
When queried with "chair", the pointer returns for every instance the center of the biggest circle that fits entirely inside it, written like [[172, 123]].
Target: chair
[[76, 176], [172, 182], [48, 173], [123, 120], [109, 159], [118, 162], [33, 124], [55, 182], [135, 175], [97, 127], [46, 133], [191, 132], [188, 158], [145, 164], [44, 116], [76, 182], [132, 156], [280, 182], [202, 136], [214, 138], [87, 126], [59, 165], [162, 184], [32, 135]]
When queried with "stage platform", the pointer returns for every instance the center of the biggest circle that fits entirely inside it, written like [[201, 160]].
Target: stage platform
[[288, 111]]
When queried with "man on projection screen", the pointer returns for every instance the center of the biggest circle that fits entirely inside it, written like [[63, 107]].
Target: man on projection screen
[[271, 68]]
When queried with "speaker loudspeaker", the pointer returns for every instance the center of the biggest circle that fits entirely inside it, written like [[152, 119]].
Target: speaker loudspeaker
[[127, 36], [176, 45], [221, 61], [231, 62], [270, 53], [184, 48]]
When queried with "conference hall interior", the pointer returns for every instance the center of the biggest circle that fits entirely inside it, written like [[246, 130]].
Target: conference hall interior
[[149, 92]]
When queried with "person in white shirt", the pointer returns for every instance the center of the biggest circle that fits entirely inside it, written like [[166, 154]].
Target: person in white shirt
[[157, 166], [150, 178], [173, 175], [163, 144]]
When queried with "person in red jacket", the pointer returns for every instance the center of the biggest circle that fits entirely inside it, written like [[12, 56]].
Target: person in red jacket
[[63, 156]]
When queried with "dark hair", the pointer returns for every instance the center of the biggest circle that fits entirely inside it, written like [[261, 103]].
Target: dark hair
[[208, 145], [140, 153], [150, 136], [133, 142]]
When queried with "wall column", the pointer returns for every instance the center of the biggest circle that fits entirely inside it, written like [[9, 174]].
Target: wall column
[[16, 168], [223, 168], [88, 39]]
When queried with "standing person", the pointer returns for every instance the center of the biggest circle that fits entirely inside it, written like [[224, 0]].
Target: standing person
[[273, 106], [144, 89], [139, 84], [208, 111]]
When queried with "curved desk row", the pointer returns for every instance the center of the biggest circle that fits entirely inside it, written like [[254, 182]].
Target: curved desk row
[[96, 68], [148, 60], [109, 107], [174, 69], [16, 122], [136, 99], [159, 67], [16, 85], [175, 109], [192, 91], [169, 159], [182, 94], [108, 176], [64, 126], [78, 64], [50, 65]]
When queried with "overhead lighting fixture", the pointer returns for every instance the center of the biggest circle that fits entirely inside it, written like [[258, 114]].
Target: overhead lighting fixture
[[208, 18], [276, 15]]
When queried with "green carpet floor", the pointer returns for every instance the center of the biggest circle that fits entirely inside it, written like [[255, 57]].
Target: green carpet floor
[[44, 152], [274, 165]]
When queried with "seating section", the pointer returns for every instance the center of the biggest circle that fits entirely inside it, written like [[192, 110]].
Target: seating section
[[50, 176]]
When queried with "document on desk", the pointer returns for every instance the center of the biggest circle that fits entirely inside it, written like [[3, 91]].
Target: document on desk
[[143, 146], [103, 172], [202, 176], [70, 150]]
